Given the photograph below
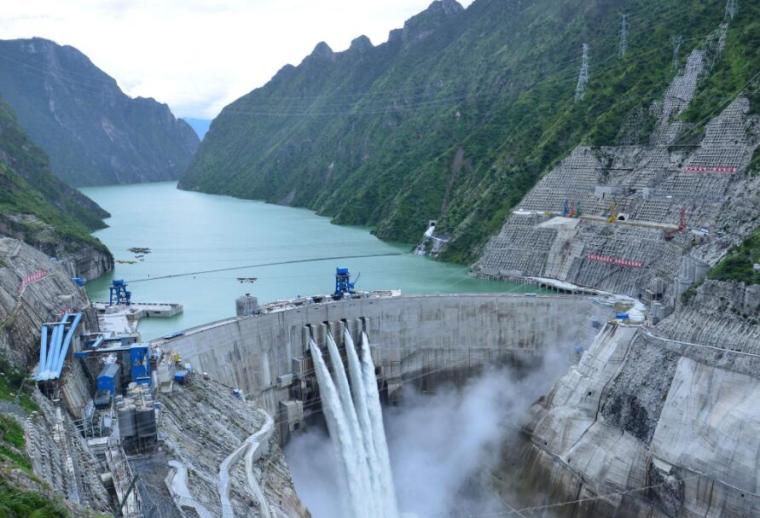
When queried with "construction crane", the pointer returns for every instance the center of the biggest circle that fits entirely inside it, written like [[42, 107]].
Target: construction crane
[[343, 284], [118, 293], [668, 235], [613, 213]]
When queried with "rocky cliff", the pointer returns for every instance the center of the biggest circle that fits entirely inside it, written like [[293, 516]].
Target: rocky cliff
[[34, 289], [230, 440], [27, 300], [658, 421], [38, 208], [93, 133]]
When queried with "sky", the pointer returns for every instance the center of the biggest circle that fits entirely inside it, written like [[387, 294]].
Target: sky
[[199, 55]]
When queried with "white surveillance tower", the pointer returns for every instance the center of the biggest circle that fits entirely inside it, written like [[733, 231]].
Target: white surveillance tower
[[732, 7], [623, 36], [677, 41], [580, 89]]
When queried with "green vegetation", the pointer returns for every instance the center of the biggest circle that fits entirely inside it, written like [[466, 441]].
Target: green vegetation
[[14, 501], [754, 166], [27, 187], [12, 443], [371, 136], [17, 503], [738, 265], [736, 69], [14, 385]]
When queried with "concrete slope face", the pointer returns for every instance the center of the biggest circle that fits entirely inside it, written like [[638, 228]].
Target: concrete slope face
[[656, 422], [645, 221], [93, 132], [33, 289]]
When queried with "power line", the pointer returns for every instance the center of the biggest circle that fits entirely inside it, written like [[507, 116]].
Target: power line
[[732, 7], [580, 88], [623, 36], [677, 41], [262, 265]]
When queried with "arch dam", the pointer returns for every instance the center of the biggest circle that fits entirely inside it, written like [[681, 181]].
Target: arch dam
[[421, 339]]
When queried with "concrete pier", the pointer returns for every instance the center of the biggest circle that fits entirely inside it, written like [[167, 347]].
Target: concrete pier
[[123, 319]]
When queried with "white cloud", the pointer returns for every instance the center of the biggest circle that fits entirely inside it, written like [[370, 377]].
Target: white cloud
[[199, 55]]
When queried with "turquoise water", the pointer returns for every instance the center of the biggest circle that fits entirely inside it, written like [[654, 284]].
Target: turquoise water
[[194, 232]]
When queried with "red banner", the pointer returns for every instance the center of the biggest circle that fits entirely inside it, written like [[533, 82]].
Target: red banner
[[617, 261], [31, 279], [711, 169]]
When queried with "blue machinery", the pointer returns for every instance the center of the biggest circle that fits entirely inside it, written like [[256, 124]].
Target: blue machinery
[[135, 356], [55, 341], [343, 284], [118, 294]]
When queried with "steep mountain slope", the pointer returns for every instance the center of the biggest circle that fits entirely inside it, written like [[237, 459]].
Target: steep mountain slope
[[651, 219], [457, 115], [38, 208], [742, 264], [93, 133]]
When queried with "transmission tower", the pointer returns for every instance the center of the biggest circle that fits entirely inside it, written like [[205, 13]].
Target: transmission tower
[[580, 89], [623, 36], [677, 41], [732, 7]]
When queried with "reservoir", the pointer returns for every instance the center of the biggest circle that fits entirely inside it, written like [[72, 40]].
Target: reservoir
[[190, 232]]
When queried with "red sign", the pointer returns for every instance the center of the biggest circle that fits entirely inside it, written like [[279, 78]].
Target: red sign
[[31, 279], [710, 169], [617, 261]]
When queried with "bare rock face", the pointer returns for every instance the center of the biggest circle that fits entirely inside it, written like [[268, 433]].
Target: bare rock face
[[93, 132], [719, 313], [671, 409], [209, 430], [60, 458], [33, 289]]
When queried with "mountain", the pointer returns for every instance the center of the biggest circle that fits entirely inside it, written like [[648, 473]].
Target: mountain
[[40, 209], [93, 133], [200, 126], [460, 112]]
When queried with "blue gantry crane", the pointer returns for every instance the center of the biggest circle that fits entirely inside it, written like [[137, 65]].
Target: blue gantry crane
[[343, 284], [118, 293]]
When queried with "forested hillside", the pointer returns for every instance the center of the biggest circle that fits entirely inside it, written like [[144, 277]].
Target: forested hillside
[[33, 201], [459, 113]]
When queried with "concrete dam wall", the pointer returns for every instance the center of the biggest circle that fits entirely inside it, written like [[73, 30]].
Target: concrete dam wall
[[412, 337]]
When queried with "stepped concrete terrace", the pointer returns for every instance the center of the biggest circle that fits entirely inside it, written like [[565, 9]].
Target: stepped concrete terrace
[[647, 251]]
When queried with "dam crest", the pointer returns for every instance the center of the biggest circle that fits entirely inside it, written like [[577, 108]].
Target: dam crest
[[424, 339]]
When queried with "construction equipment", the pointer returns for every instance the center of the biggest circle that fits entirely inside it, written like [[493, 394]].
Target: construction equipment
[[668, 235], [118, 294], [343, 284], [613, 213]]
